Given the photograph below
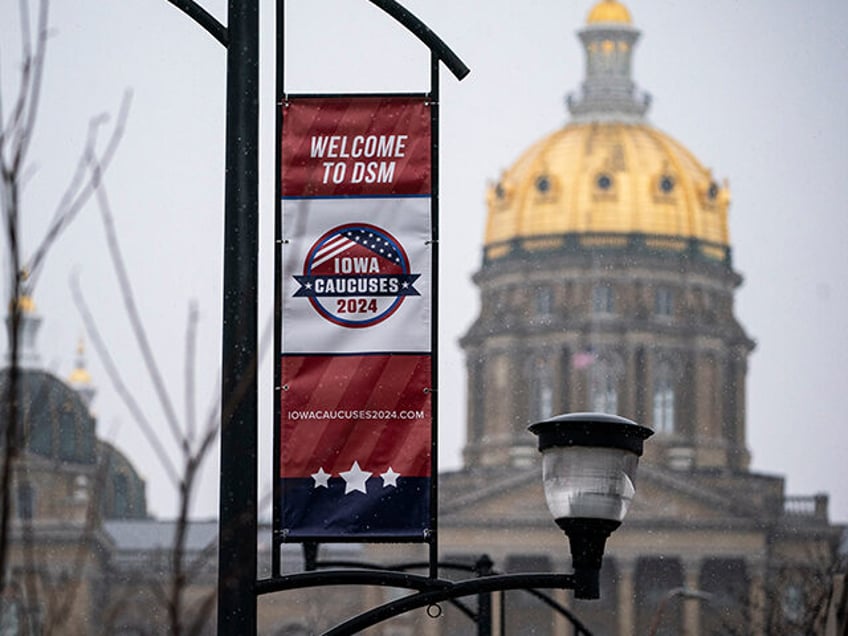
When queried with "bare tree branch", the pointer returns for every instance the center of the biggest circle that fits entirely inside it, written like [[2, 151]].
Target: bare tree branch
[[136, 324], [190, 363], [118, 384], [79, 190], [35, 67]]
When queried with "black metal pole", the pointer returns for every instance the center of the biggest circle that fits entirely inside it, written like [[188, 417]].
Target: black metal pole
[[434, 321], [484, 614], [483, 567], [280, 89], [237, 543]]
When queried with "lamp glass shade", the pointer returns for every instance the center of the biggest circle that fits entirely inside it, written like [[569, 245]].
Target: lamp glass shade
[[589, 482]]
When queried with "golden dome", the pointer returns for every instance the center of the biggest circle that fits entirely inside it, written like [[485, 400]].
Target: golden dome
[[607, 178], [609, 11]]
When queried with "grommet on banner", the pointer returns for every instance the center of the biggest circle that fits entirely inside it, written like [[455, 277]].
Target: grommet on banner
[[285, 387]]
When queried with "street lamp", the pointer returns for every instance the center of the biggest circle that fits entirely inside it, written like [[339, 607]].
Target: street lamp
[[589, 465]]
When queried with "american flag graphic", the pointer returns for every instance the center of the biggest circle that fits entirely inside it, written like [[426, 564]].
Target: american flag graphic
[[361, 241]]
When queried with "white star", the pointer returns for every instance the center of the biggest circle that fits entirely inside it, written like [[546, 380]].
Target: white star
[[390, 478], [355, 479], [322, 479]]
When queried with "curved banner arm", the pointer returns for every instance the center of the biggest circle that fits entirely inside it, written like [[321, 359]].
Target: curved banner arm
[[204, 19], [456, 66], [423, 33]]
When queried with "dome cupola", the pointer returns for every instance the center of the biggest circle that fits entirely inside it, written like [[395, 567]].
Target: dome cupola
[[608, 90], [80, 379]]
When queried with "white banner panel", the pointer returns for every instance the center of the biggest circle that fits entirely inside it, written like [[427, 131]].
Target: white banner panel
[[356, 274]]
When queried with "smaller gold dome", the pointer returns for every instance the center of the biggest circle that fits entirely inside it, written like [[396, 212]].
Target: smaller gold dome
[[609, 11], [26, 305], [80, 376]]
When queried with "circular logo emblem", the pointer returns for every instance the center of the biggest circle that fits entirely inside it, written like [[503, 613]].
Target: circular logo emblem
[[356, 275]]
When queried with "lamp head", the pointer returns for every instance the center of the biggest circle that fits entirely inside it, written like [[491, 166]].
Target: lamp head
[[589, 464]]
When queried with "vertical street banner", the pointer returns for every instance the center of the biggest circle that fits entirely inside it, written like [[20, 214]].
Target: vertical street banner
[[355, 375]]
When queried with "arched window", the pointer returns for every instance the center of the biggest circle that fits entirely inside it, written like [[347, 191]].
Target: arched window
[[658, 583], [67, 439], [603, 301], [121, 487], [603, 387], [544, 301], [664, 302], [726, 582], [663, 400], [26, 502], [541, 398]]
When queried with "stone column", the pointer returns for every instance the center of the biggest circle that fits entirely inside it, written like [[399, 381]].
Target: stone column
[[757, 600], [626, 597], [561, 624], [497, 611], [691, 604]]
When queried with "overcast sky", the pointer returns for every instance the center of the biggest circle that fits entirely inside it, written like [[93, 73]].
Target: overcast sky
[[755, 89]]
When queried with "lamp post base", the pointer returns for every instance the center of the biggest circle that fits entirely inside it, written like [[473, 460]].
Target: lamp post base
[[587, 538]]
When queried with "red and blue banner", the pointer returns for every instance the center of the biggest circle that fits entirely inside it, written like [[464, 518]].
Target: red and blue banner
[[355, 456]]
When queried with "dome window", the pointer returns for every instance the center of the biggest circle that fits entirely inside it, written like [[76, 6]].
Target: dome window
[[712, 192], [543, 184], [666, 184], [499, 194], [604, 182]]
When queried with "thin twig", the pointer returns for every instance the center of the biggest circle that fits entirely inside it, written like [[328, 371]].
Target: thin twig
[[190, 364], [76, 196], [37, 61]]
